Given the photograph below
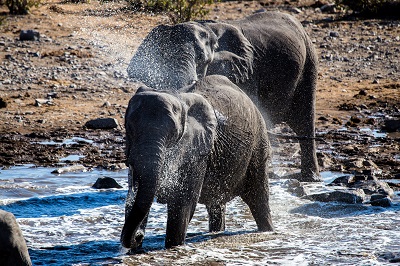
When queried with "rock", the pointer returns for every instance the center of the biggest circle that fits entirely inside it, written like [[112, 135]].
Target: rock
[[345, 180], [351, 196], [13, 249], [391, 125], [324, 160], [382, 202], [295, 10], [52, 95], [377, 197], [359, 163], [374, 186], [106, 104], [3, 104], [40, 102], [102, 123], [328, 8], [29, 35], [106, 182], [363, 93], [296, 188], [334, 34], [68, 169]]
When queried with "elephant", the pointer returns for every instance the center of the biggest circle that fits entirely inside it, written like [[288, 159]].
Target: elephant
[[205, 144], [13, 249], [268, 55]]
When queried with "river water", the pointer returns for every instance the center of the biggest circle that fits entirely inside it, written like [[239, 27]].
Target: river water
[[66, 222]]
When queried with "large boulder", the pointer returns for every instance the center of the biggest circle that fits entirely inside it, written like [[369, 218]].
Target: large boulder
[[13, 249]]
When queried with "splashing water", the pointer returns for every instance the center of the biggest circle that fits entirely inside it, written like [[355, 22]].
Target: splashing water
[[66, 222]]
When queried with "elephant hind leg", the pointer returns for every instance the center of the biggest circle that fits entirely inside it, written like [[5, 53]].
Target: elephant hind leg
[[259, 207], [256, 196], [301, 120], [216, 214]]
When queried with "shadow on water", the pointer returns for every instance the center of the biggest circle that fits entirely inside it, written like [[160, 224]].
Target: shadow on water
[[89, 253], [338, 210], [64, 205]]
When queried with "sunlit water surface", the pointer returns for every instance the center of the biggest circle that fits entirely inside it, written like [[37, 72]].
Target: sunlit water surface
[[66, 222]]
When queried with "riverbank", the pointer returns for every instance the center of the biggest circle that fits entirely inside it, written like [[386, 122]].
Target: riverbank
[[76, 72]]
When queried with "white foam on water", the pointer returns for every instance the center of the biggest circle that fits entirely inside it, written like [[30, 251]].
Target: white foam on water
[[78, 218]]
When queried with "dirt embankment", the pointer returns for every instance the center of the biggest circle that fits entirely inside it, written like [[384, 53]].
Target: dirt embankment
[[76, 72]]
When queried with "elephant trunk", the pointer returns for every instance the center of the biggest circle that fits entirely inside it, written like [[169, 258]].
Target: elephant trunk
[[145, 161]]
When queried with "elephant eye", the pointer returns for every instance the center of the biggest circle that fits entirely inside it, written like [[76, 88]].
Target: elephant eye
[[203, 35]]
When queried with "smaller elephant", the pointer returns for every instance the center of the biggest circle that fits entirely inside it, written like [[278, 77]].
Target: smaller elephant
[[206, 144], [13, 249]]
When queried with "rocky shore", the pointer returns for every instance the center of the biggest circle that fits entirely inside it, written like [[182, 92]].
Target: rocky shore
[[73, 71]]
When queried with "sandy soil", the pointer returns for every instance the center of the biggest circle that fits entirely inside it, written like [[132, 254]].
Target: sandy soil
[[79, 67]]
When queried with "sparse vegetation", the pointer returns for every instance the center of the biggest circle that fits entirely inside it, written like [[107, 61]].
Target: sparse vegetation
[[178, 10], [19, 7], [373, 8]]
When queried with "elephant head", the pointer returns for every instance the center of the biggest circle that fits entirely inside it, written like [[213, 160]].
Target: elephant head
[[155, 123], [172, 57]]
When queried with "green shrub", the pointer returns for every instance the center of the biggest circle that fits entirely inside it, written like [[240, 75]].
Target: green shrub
[[178, 10], [20, 7]]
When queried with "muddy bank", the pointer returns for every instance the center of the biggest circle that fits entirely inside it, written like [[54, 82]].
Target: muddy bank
[[75, 72]]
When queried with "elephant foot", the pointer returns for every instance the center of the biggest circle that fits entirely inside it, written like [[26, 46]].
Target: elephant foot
[[305, 177], [135, 245], [138, 241], [136, 251]]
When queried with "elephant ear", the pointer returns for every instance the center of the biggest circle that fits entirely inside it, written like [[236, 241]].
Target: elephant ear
[[234, 55], [201, 124]]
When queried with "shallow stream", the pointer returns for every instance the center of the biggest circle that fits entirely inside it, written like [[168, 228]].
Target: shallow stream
[[66, 222]]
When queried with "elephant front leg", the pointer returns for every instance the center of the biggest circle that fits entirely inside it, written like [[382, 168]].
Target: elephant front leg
[[178, 220], [139, 236], [216, 215]]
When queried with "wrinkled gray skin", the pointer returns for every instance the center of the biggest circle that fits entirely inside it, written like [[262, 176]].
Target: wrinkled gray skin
[[13, 249], [207, 144], [268, 55]]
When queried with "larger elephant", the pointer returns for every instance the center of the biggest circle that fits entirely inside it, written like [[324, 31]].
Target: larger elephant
[[268, 55], [207, 144]]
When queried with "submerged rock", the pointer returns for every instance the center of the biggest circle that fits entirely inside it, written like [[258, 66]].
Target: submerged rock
[[106, 182], [351, 196], [380, 200]]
